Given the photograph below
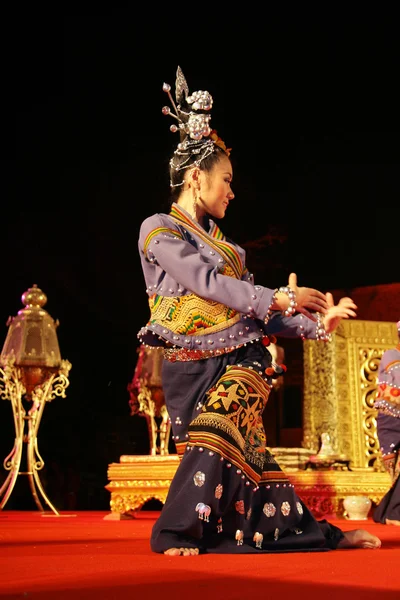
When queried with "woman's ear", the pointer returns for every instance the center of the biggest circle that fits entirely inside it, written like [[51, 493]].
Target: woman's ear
[[194, 176]]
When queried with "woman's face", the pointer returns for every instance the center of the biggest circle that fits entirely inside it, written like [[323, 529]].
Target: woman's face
[[215, 188]]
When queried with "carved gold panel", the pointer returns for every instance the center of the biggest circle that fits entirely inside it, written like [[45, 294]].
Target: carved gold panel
[[340, 383]]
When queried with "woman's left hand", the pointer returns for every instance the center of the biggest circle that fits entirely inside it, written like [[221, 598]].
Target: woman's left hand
[[343, 310]]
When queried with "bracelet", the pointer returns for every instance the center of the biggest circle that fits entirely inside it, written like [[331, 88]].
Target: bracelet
[[291, 309], [269, 311], [320, 332]]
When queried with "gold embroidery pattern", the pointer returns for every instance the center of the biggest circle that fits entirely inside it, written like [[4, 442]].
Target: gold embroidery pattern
[[230, 422], [269, 477], [227, 270], [215, 442], [191, 314], [240, 395], [217, 422]]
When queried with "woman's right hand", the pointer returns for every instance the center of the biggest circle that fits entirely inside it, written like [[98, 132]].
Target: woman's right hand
[[308, 298]]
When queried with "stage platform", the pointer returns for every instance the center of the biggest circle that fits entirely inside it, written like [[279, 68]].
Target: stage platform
[[84, 556]]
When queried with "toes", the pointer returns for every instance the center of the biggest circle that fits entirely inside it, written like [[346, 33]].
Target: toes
[[370, 545], [182, 552], [392, 522], [172, 552], [189, 551]]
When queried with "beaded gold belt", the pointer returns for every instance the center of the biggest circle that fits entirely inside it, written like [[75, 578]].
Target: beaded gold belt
[[185, 355]]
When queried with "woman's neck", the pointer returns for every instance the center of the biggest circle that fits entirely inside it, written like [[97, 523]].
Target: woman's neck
[[186, 201]]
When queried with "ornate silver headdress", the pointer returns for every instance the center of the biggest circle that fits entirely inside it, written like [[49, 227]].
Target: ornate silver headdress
[[194, 125]]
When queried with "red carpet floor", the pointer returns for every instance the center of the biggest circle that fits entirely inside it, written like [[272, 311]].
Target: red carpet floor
[[45, 557]]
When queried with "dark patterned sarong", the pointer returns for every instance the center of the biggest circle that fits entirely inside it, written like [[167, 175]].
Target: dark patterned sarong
[[388, 428], [229, 495]]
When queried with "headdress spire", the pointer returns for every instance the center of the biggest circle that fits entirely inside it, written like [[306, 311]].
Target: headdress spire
[[192, 111], [194, 123]]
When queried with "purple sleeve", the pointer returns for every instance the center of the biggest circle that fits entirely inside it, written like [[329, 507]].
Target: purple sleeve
[[389, 368], [291, 327], [186, 265]]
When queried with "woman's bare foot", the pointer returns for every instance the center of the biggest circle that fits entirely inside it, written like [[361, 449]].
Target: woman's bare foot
[[359, 538], [182, 551], [392, 522]]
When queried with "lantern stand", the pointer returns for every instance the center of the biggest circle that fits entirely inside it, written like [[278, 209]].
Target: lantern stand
[[31, 371]]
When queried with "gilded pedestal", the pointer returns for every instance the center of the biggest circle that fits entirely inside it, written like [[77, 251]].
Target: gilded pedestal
[[324, 491], [137, 479]]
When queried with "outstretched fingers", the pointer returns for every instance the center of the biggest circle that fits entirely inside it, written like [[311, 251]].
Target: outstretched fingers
[[308, 298], [348, 303], [344, 313], [318, 301]]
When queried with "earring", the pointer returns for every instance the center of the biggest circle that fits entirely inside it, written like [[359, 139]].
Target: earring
[[195, 202]]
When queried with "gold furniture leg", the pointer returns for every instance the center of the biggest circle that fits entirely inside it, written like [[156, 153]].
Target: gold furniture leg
[[12, 388]]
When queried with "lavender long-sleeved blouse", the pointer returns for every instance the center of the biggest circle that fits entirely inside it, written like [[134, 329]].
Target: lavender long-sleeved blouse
[[201, 295]]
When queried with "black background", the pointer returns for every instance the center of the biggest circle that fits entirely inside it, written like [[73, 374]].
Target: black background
[[307, 100]]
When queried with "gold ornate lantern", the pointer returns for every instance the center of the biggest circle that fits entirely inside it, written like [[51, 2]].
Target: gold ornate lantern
[[31, 374], [146, 398]]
